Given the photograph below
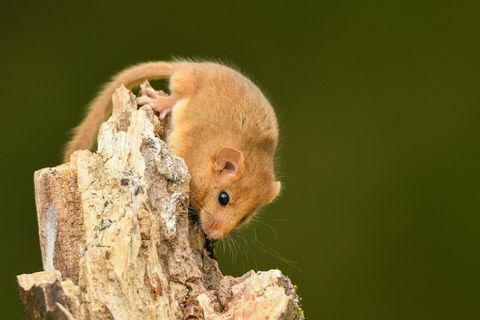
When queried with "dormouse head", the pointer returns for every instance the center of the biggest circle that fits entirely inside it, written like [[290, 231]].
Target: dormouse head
[[237, 187]]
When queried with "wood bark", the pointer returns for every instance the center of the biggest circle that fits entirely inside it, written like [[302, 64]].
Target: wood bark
[[117, 242]]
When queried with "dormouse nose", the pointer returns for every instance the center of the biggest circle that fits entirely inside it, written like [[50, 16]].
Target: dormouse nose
[[214, 233]]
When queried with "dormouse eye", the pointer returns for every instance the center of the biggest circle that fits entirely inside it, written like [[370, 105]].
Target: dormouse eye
[[223, 198]]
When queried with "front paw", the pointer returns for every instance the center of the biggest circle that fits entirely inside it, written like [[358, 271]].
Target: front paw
[[159, 101]]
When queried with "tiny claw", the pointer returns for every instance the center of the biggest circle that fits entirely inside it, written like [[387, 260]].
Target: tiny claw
[[152, 93], [143, 88], [143, 100]]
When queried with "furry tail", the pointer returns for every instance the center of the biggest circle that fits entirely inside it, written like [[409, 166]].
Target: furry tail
[[85, 134]]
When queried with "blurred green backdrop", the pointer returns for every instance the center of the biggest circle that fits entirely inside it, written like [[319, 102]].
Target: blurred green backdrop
[[379, 106]]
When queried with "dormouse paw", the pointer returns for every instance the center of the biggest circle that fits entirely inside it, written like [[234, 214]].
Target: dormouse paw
[[158, 100]]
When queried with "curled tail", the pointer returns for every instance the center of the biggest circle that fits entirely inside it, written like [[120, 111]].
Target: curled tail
[[84, 135]]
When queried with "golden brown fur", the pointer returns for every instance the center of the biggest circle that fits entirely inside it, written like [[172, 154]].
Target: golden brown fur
[[222, 125]]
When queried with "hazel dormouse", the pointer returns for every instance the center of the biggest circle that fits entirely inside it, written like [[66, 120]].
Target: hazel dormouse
[[222, 125]]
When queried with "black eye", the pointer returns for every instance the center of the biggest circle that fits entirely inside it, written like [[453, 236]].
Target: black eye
[[223, 198]]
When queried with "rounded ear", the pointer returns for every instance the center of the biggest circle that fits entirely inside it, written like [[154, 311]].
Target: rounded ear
[[275, 190], [228, 162]]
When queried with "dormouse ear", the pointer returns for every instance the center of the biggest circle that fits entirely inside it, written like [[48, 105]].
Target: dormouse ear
[[229, 162], [275, 190]]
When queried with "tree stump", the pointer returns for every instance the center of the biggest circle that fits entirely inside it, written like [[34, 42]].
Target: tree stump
[[117, 242]]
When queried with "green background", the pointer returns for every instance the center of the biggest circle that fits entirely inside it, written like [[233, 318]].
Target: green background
[[379, 109]]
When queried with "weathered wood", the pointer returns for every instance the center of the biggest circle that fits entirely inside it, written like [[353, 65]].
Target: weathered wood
[[117, 242], [45, 296]]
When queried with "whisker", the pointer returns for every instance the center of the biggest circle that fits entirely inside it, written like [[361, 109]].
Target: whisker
[[242, 245], [234, 251], [255, 234], [277, 255], [268, 226]]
